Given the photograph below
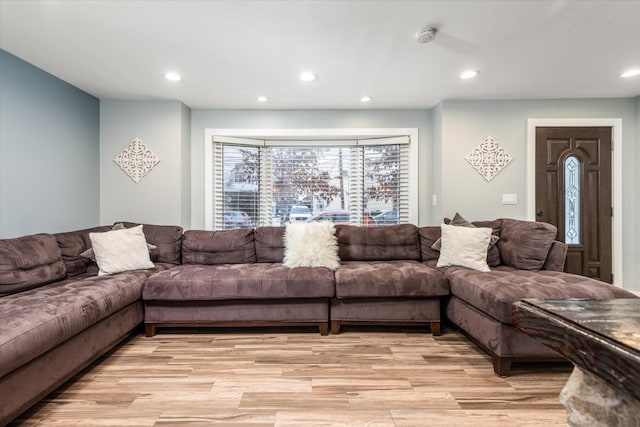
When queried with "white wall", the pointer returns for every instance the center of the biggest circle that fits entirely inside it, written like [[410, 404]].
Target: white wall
[[466, 123], [437, 213], [49, 152], [185, 167], [163, 196], [307, 119], [634, 226]]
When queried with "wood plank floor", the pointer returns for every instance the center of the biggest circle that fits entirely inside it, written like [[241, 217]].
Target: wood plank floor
[[277, 377]]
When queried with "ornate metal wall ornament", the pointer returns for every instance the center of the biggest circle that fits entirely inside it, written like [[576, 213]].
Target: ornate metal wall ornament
[[489, 158], [136, 160]]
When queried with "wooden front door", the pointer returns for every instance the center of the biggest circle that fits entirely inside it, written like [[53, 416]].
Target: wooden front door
[[573, 192]]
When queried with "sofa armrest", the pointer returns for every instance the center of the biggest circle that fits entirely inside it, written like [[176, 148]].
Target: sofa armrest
[[556, 257]]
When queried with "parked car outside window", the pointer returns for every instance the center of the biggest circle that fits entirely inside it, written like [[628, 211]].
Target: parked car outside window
[[341, 217], [386, 218], [299, 214], [236, 219]]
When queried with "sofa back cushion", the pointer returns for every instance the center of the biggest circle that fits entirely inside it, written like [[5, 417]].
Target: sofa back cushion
[[28, 262], [556, 256], [430, 234], [218, 247], [72, 244], [427, 237], [493, 253], [269, 244], [384, 243], [166, 238], [525, 244]]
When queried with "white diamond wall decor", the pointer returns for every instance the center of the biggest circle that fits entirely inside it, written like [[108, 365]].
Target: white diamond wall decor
[[489, 158], [136, 160]]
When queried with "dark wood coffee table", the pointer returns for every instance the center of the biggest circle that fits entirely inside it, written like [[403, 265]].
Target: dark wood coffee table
[[602, 339]]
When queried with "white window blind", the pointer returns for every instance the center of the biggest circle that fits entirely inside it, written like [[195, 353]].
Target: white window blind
[[363, 182]]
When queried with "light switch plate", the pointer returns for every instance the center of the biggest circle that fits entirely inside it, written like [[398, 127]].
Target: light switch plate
[[509, 199]]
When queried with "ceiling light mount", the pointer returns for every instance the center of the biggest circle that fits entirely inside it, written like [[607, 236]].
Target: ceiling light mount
[[426, 35]]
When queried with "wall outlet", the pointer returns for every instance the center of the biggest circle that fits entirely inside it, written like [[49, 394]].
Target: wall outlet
[[509, 199], [434, 200]]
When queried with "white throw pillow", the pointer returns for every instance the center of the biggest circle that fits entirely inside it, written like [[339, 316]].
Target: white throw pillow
[[117, 226], [120, 250], [311, 244], [464, 247]]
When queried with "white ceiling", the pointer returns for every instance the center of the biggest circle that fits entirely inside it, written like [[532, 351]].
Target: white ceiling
[[229, 52]]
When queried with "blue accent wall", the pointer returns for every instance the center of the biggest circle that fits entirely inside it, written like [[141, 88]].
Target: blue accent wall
[[49, 152]]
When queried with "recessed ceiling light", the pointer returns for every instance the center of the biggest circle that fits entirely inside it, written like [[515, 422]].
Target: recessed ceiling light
[[174, 77], [469, 74], [308, 76], [631, 73], [262, 99], [365, 99]]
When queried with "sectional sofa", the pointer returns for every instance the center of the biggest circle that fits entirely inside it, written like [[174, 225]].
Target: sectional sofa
[[57, 315]]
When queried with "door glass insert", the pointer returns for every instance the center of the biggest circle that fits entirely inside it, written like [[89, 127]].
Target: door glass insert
[[572, 200]]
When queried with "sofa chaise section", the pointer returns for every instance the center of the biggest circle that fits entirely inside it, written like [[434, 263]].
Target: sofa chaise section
[[382, 280], [60, 323], [531, 267], [228, 278]]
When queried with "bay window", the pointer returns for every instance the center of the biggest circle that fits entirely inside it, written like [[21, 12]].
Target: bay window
[[269, 182]]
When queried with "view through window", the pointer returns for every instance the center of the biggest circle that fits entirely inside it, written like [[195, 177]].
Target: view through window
[[272, 183]]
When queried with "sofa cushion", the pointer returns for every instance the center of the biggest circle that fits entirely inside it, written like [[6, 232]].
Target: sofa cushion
[[311, 244], [427, 237], [166, 238], [89, 253], [493, 254], [218, 247], [400, 278], [464, 246], [460, 221], [121, 250], [269, 243], [239, 281], [28, 262], [556, 256], [495, 292], [72, 244], [525, 244], [37, 320], [392, 242]]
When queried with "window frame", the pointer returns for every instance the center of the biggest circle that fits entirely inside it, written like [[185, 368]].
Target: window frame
[[310, 137]]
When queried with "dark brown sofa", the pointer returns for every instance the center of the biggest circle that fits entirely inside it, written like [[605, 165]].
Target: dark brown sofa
[[57, 315], [236, 278], [382, 279], [527, 263], [388, 275]]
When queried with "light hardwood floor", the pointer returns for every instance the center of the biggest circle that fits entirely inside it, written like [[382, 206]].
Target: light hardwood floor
[[277, 377]]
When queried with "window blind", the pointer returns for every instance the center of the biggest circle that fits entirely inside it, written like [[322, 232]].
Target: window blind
[[363, 181]]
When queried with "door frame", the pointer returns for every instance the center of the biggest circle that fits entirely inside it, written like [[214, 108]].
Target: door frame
[[616, 182]]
